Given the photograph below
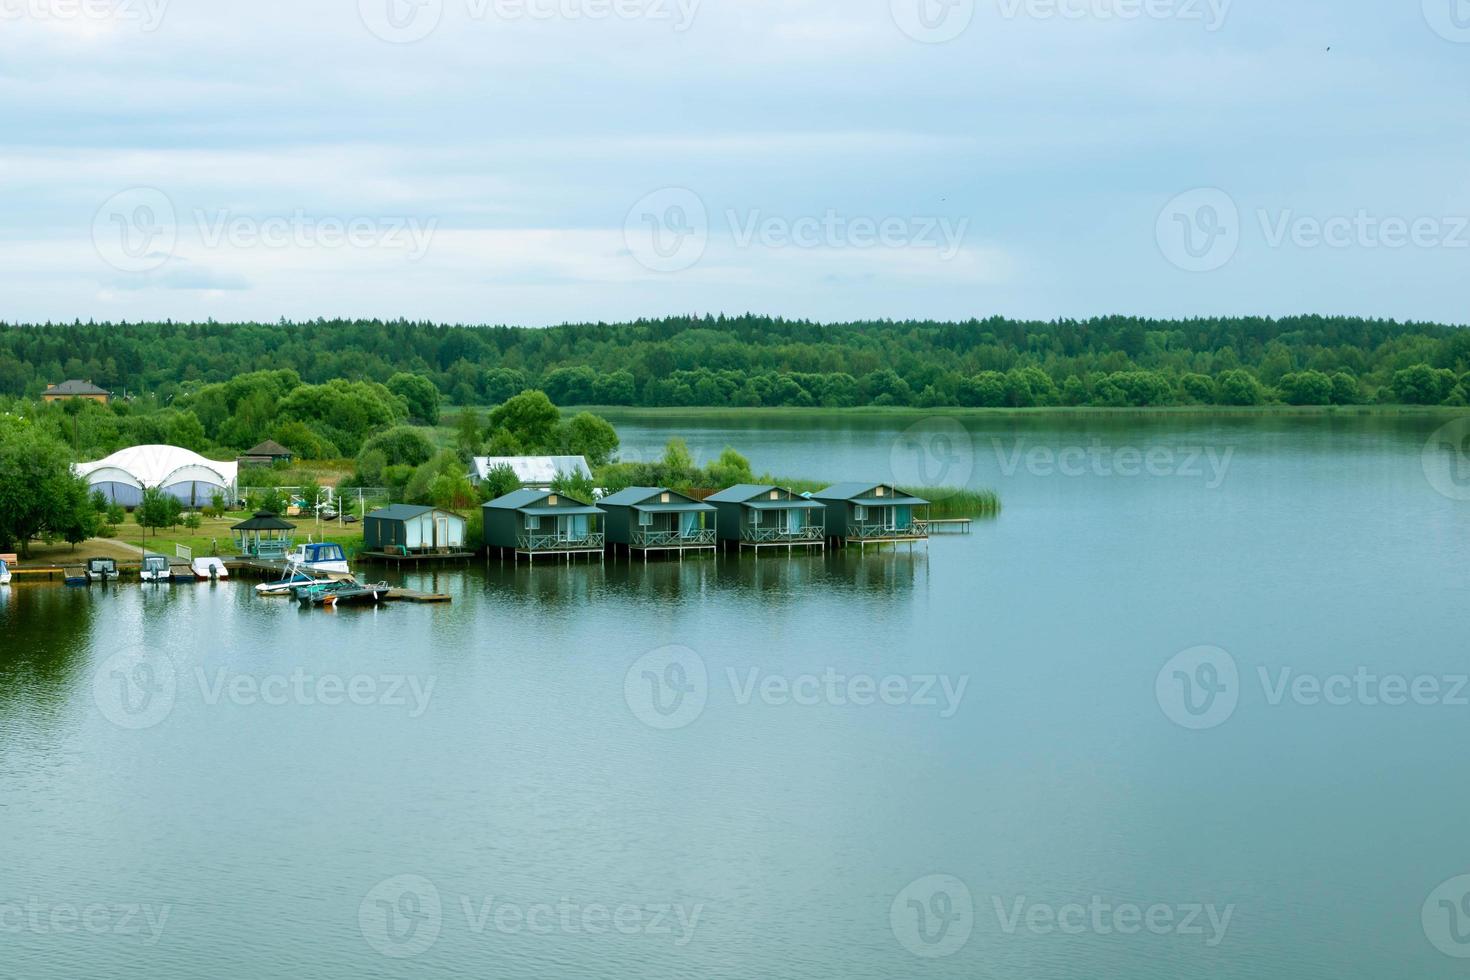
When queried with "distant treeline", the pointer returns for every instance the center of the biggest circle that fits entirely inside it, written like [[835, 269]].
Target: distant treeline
[[754, 361]]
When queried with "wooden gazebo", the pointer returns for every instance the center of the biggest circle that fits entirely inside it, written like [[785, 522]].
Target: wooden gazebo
[[264, 536]]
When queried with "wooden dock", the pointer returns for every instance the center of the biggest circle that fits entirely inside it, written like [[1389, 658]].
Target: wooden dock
[[270, 570], [952, 525], [412, 595], [415, 557]]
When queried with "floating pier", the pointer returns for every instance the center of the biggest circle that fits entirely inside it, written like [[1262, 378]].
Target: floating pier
[[951, 525]]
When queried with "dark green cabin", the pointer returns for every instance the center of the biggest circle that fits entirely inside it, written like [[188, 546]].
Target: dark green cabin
[[543, 522], [658, 519], [751, 515], [869, 513]]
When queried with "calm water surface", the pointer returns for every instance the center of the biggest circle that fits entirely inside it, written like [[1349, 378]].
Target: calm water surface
[[529, 783]]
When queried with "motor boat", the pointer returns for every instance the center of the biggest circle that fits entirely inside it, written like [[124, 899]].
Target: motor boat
[[155, 569], [333, 594], [101, 570], [209, 569], [321, 559], [296, 577]]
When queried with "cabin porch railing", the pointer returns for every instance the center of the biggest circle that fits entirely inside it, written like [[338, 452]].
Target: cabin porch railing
[[554, 542], [915, 529], [781, 535], [646, 538]]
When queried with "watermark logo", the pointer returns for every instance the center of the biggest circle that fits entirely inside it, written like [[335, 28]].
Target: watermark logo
[[834, 230], [1199, 688], [933, 21], [936, 455], [1199, 230], [567, 917], [1210, 13], [95, 919], [1446, 917], [401, 917], [667, 230], [136, 230], [1363, 229], [404, 917], [407, 691], [837, 690], [401, 21], [1102, 917], [1205, 463], [300, 230], [1450, 19], [147, 14], [136, 689], [1446, 459], [667, 688], [933, 916]]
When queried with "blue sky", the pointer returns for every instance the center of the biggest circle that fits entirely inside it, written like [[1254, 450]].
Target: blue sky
[[538, 161]]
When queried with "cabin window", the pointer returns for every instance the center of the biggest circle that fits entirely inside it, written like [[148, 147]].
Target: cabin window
[[533, 522], [645, 518], [663, 498], [859, 512], [755, 517], [775, 494], [551, 500], [879, 492]]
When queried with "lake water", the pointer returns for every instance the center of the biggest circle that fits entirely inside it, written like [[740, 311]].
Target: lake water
[[1188, 707]]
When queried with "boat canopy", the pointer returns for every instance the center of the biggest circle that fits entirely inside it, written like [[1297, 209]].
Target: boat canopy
[[324, 552]]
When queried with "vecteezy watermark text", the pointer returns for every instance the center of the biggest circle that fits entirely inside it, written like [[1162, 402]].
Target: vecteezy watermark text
[[668, 688], [139, 230], [935, 916], [404, 916], [97, 918], [1097, 460], [138, 689], [147, 14], [1202, 687], [832, 229], [407, 21], [1210, 14], [669, 230], [1202, 230], [301, 230], [1101, 917]]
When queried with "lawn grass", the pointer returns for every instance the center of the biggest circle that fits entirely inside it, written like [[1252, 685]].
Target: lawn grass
[[213, 537]]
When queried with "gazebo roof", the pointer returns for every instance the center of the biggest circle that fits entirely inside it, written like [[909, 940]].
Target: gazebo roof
[[264, 520]]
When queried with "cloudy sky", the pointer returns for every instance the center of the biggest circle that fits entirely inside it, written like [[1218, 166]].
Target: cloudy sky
[[538, 161]]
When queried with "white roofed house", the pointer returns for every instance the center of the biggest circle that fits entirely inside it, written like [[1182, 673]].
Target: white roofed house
[[180, 473], [534, 472]]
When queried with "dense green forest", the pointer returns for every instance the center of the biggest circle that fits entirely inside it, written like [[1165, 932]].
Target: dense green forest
[[751, 360]]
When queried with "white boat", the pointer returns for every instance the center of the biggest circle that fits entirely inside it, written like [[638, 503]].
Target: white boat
[[208, 569], [320, 559], [4, 572], [295, 576], [155, 569], [101, 570]]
